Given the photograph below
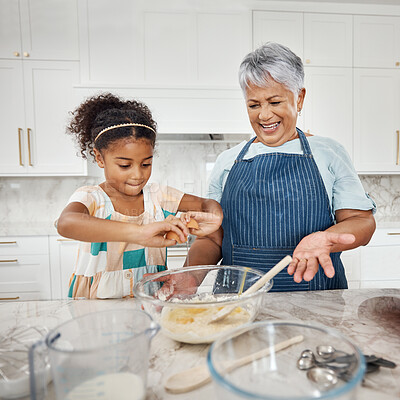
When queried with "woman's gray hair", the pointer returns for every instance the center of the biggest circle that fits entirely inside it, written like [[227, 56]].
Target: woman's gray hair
[[272, 60]]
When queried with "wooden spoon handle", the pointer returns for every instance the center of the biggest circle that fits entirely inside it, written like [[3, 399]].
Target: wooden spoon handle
[[270, 274], [193, 378]]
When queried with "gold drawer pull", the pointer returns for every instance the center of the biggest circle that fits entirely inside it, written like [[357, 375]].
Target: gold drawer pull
[[66, 240], [9, 298], [176, 255], [393, 233], [29, 147], [20, 147], [14, 242], [8, 261]]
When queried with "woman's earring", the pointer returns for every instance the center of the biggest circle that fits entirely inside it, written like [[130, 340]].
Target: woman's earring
[[299, 113]]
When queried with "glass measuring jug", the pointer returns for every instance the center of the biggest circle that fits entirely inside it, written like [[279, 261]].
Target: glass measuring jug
[[102, 355]]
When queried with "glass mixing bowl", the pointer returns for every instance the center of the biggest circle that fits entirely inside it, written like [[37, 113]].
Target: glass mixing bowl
[[184, 300], [258, 362]]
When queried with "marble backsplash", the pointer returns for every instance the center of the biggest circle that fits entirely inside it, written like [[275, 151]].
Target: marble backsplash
[[186, 166]]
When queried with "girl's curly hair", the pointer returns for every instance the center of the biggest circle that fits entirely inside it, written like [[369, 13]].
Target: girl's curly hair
[[104, 110]]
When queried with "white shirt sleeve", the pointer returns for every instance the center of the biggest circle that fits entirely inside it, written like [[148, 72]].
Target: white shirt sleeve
[[347, 190]]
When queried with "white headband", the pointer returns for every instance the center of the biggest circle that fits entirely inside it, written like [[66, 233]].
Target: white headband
[[120, 126]]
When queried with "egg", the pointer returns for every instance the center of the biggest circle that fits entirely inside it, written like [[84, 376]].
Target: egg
[[173, 236]]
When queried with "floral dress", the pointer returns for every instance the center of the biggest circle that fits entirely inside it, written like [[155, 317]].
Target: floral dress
[[110, 269]]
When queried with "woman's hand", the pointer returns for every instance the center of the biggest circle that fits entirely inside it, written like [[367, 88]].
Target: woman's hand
[[313, 250], [208, 222], [153, 235]]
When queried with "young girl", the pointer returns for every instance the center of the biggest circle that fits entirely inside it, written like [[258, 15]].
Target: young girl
[[122, 222]]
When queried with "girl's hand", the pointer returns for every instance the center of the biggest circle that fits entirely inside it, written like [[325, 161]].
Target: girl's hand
[[208, 222], [314, 250], [153, 235], [176, 285]]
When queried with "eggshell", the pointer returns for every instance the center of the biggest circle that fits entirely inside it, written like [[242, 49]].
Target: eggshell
[[192, 224], [173, 236]]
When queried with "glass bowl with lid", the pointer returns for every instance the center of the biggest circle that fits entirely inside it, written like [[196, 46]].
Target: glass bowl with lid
[[284, 360]]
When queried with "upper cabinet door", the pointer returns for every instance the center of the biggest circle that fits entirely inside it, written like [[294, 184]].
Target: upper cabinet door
[[376, 120], [170, 52], [376, 41], [49, 97], [49, 29], [10, 34], [328, 40], [158, 45], [12, 123], [223, 41], [329, 104], [282, 27]]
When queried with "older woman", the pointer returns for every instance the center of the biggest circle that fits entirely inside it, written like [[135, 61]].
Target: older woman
[[285, 192]]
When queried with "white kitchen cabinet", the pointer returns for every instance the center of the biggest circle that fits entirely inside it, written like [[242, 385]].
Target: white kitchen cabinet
[[376, 120], [63, 255], [155, 44], [328, 104], [328, 40], [318, 39], [176, 257], [376, 41], [282, 27], [351, 262], [39, 29], [36, 97], [24, 268], [380, 260]]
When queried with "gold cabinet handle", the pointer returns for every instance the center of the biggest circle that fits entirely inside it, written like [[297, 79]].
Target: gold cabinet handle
[[29, 147], [16, 53], [8, 261], [26, 54], [66, 240], [393, 233], [398, 148], [9, 298], [20, 147], [397, 63], [14, 242], [308, 61], [176, 255]]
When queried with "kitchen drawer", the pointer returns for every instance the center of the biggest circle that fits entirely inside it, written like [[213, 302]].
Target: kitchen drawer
[[15, 245], [351, 263], [388, 284], [385, 237], [176, 257], [380, 263], [25, 273], [21, 296]]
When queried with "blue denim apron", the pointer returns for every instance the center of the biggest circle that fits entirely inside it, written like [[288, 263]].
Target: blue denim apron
[[270, 202]]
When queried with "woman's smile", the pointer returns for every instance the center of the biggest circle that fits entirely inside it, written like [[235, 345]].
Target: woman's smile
[[270, 128]]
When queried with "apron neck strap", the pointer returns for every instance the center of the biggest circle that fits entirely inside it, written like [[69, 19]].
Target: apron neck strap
[[303, 141]]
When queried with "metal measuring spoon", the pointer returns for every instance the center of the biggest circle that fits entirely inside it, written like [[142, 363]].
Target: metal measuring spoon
[[307, 361], [323, 378], [327, 352]]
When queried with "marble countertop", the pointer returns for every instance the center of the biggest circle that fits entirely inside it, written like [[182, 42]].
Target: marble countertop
[[370, 317]]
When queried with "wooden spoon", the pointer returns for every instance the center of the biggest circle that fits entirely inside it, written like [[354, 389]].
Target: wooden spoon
[[225, 311], [196, 377]]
